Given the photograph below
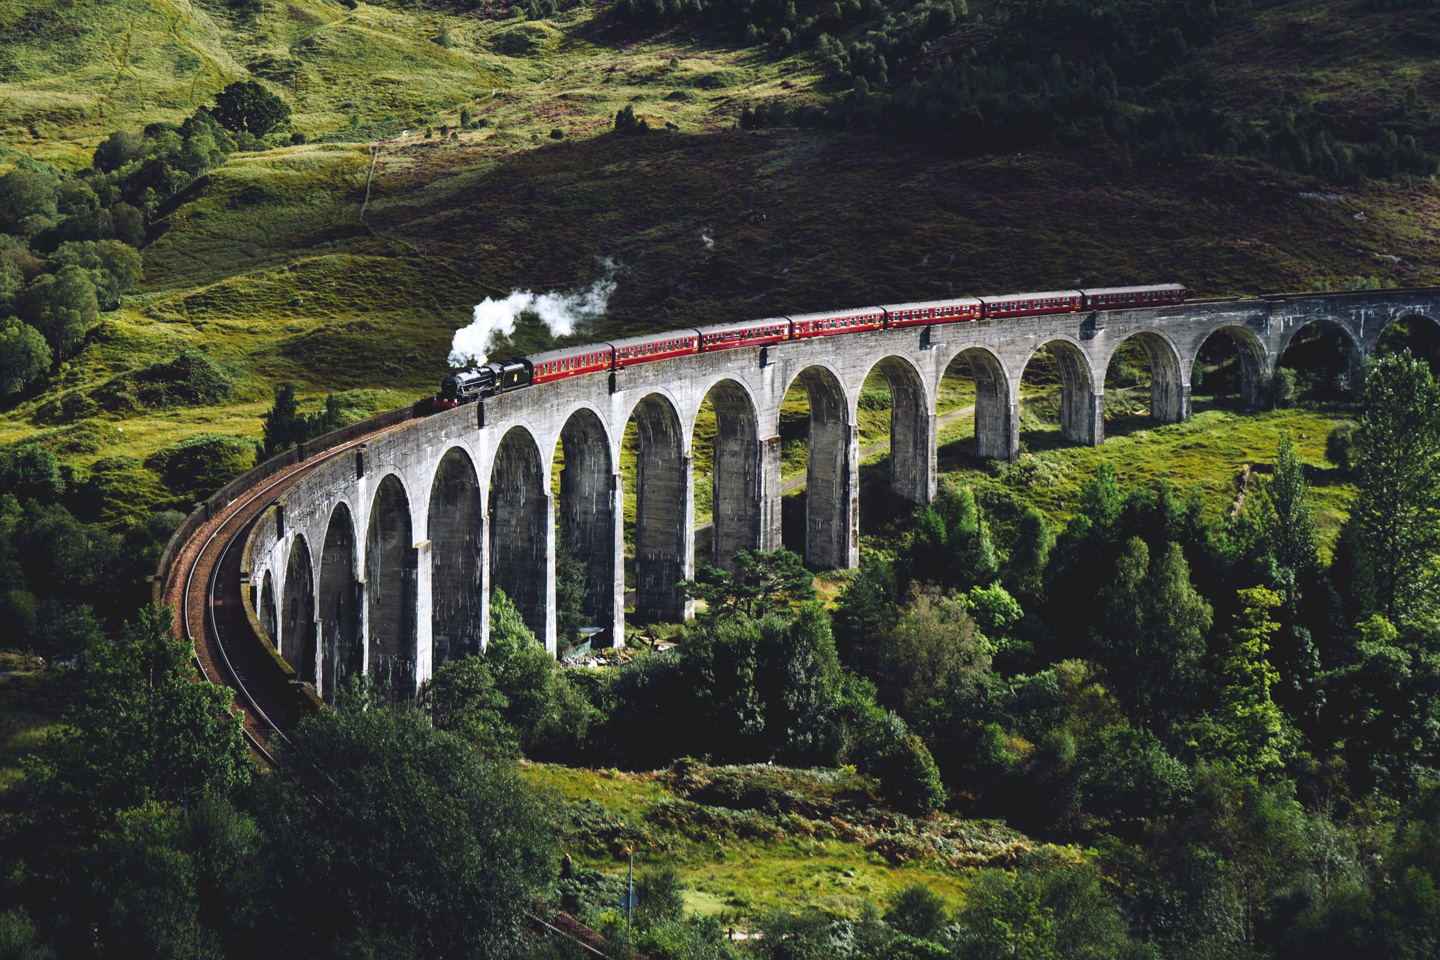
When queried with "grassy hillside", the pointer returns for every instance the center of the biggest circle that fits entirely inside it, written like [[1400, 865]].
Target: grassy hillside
[[752, 839], [276, 266]]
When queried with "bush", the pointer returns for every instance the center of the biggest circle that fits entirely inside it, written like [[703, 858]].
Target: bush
[[190, 379], [119, 490], [1339, 442], [909, 779], [627, 123], [1280, 386], [917, 911], [200, 465]]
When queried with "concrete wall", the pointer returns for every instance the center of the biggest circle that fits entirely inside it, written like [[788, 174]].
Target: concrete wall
[[405, 539]]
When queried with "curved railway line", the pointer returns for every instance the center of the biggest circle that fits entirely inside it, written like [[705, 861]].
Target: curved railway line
[[202, 585]]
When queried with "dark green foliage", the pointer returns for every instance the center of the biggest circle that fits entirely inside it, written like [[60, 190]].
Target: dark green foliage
[[1339, 443], [627, 123], [24, 357], [190, 379], [1152, 635], [1384, 704], [1396, 459], [463, 698], [198, 466], [762, 582], [285, 426], [864, 612], [30, 473], [114, 268], [118, 149], [392, 838], [1048, 911], [1024, 574], [61, 579], [951, 545], [693, 938], [917, 912], [62, 306], [550, 717], [27, 193], [246, 106], [909, 778], [661, 892], [569, 594]]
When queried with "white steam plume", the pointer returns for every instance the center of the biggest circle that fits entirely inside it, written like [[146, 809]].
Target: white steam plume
[[560, 312]]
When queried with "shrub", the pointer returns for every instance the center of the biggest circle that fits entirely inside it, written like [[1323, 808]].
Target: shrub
[[917, 911], [187, 380], [200, 465], [909, 778], [1339, 442]]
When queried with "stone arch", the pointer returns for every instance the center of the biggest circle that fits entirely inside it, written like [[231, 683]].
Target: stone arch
[[269, 622], [521, 528], [341, 652], [832, 509], [390, 587], [1253, 362], [662, 511], [297, 627], [1080, 399], [737, 510], [912, 431], [586, 513], [1423, 342], [1353, 349], [453, 527], [1169, 394], [996, 430]]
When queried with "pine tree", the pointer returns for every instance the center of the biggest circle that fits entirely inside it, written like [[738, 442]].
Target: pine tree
[[282, 423]]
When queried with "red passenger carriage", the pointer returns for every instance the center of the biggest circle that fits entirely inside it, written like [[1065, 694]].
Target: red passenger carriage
[[751, 333], [807, 325], [656, 346], [1121, 298], [1031, 304], [931, 311], [569, 362]]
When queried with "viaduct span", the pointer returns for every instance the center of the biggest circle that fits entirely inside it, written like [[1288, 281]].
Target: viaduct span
[[382, 555]]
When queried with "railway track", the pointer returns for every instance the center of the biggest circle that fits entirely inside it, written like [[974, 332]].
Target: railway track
[[203, 587]]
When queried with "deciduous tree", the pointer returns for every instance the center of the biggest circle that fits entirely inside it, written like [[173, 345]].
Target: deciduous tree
[[1396, 460], [247, 106]]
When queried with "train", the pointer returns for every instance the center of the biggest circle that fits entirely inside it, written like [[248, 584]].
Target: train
[[493, 378]]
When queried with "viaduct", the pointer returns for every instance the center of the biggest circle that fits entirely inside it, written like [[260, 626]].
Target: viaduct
[[383, 557]]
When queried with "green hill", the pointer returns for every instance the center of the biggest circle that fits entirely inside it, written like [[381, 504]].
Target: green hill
[[275, 265]]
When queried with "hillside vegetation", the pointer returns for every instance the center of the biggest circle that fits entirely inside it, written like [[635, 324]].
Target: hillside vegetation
[[454, 151]]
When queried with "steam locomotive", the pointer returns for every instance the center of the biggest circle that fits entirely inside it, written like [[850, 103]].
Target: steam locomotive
[[492, 378]]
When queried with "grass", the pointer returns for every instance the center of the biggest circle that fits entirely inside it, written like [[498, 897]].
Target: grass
[[32, 698], [267, 264], [750, 840]]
